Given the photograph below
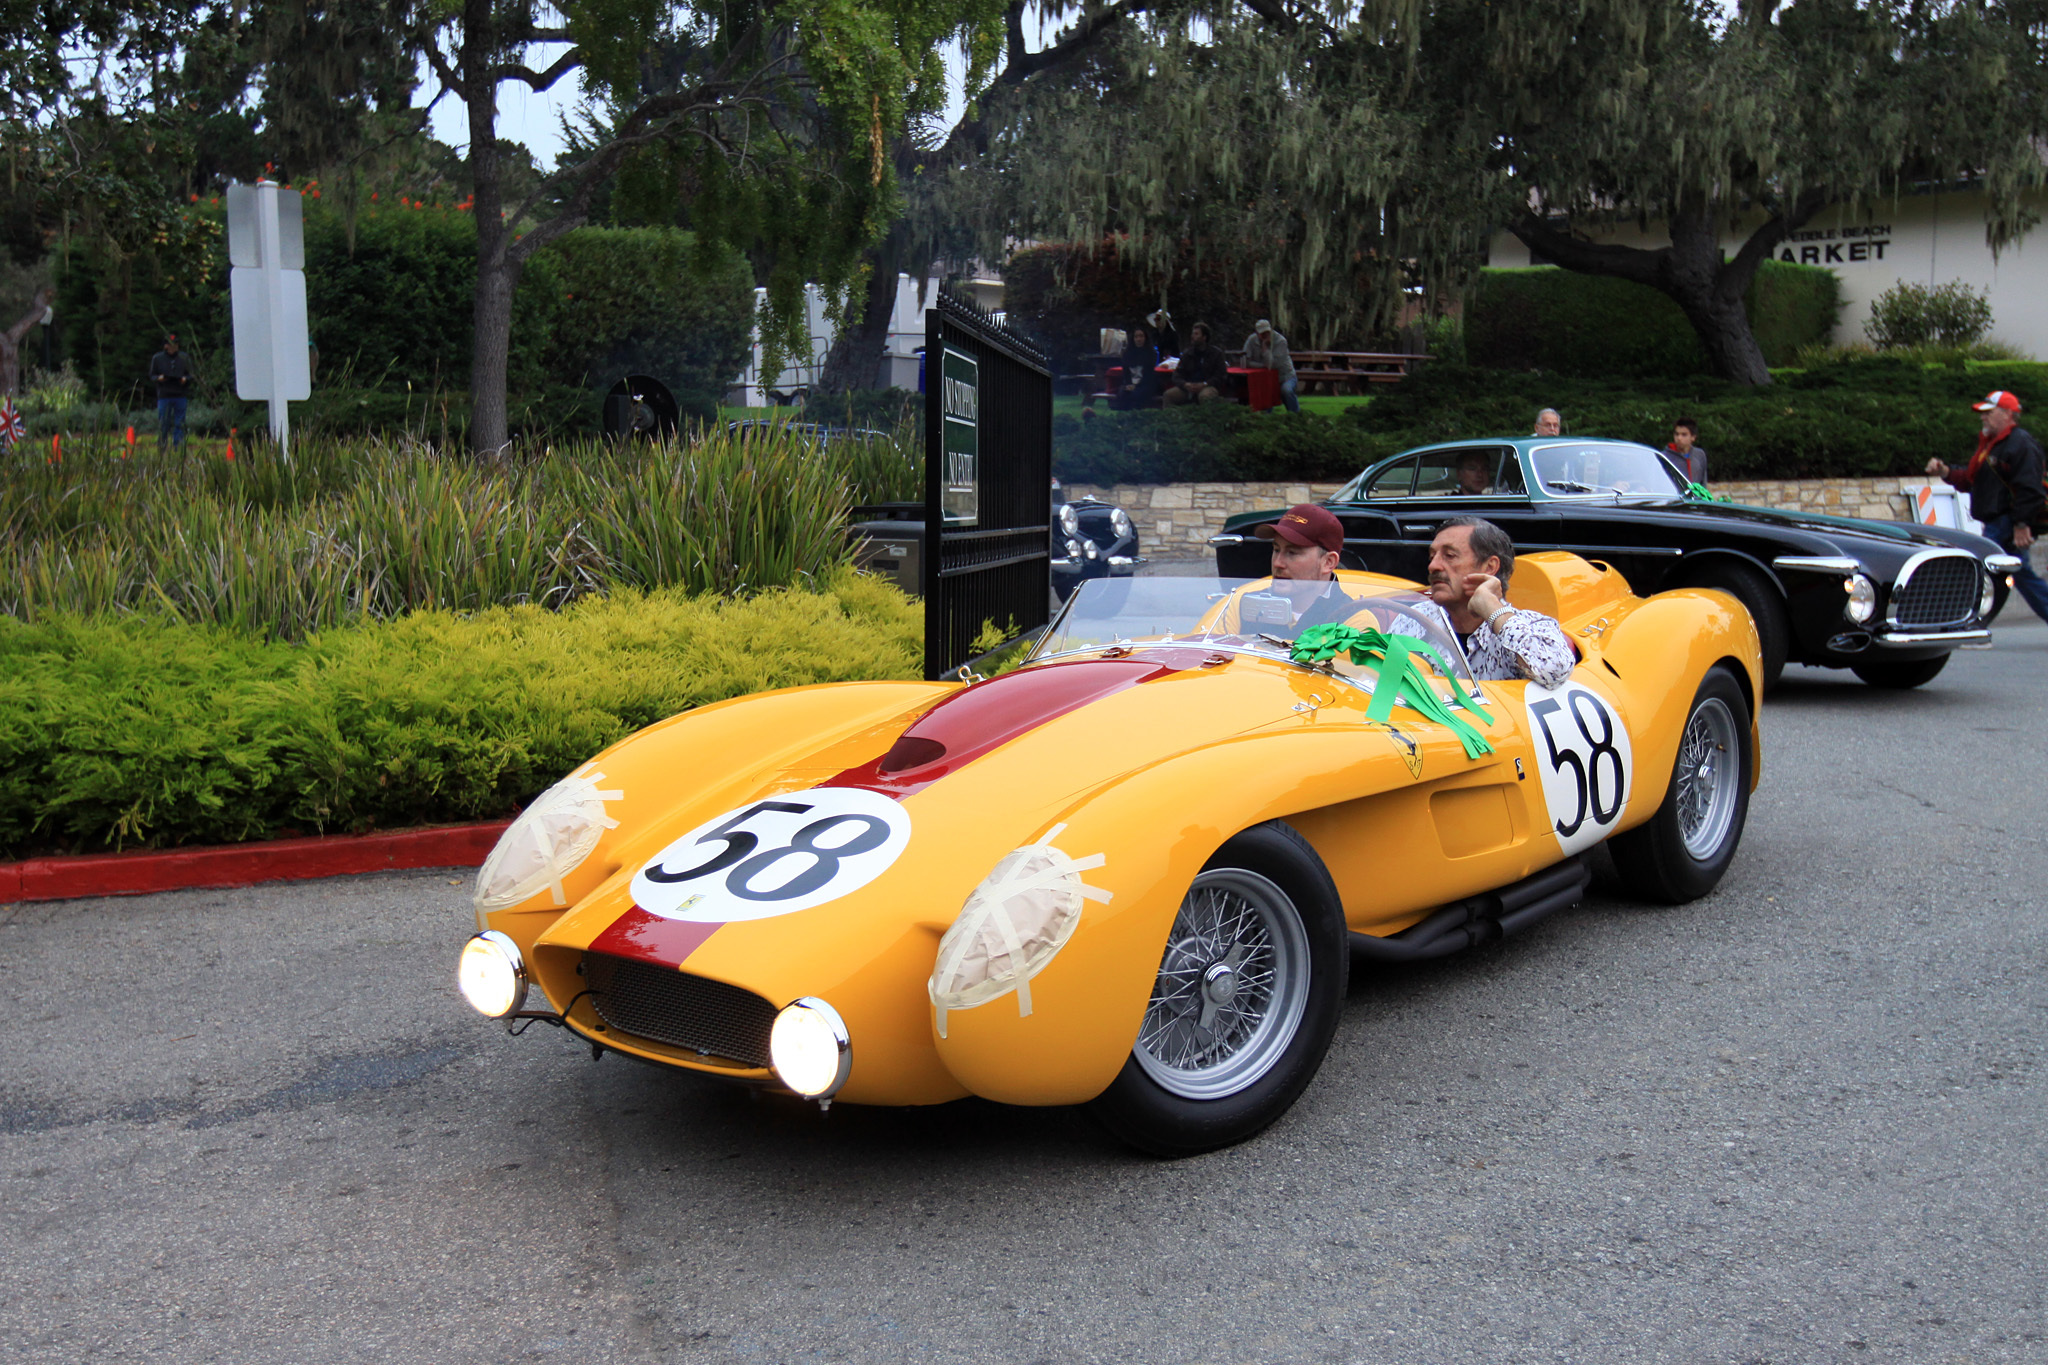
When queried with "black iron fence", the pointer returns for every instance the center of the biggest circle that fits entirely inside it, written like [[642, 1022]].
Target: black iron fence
[[988, 482]]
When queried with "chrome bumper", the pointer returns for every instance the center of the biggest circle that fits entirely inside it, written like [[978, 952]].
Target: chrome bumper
[[1962, 639]]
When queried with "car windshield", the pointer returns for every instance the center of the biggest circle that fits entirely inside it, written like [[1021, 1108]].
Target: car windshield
[[1232, 616], [1582, 468]]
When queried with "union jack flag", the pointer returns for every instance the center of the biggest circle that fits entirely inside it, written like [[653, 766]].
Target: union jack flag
[[12, 428]]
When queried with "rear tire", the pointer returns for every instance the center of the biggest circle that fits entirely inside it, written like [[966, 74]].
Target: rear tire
[[1910, 673], [1249, 990], [1683, 850], [1756, 592]]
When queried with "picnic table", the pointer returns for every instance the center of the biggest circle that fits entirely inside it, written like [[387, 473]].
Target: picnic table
[[1355, 368]]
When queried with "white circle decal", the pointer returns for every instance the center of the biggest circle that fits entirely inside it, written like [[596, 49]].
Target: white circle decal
[[774, 857], [1582, 749]]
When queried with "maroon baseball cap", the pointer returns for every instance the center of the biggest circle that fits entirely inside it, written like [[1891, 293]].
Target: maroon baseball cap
[[1307, 523], [1998, 398]]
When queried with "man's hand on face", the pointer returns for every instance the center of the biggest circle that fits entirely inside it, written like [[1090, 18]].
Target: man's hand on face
[[1937, 468], [1483, 591]]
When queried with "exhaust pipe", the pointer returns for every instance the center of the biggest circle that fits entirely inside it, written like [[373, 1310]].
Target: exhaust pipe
[[1483, 918]]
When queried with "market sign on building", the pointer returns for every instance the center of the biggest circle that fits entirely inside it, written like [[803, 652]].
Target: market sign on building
[[960, 381]]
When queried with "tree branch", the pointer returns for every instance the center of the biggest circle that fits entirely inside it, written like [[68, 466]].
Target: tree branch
[[1642, 264], [32, 317], [444, 71], [539, 80]]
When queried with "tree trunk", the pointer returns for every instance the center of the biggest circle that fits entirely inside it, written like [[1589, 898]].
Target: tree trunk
[[497, 272], [855, 360], [1690, 272]]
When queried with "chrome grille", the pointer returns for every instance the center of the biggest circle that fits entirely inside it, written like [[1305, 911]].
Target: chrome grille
[[1940, 590], [667, 1006]]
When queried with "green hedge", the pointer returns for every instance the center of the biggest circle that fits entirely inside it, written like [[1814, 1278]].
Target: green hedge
[[142, 732], [1590, 325], [1859, 417]]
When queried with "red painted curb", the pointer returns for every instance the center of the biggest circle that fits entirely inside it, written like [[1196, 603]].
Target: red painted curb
[[271, 860]]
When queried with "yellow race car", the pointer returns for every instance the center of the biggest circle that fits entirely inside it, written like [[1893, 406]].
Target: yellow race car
[[1131, 873]]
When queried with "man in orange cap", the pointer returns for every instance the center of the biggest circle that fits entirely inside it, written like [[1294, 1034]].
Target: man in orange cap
[[2003, 480]]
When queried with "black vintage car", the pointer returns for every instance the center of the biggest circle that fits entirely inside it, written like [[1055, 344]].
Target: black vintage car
[[1090, 539], [1888, 600]]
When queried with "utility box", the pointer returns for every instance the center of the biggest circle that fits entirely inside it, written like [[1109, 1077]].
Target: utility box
[[891, 543]]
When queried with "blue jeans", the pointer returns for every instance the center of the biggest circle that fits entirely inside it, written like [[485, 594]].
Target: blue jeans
[[170, 421], [2029, 584], [1290, 391]]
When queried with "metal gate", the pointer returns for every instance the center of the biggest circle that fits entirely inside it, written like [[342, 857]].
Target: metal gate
[[988, 482]]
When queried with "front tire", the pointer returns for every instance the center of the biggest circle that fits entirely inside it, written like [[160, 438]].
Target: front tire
[[1910, 673], [1246, 1001], [1683, 850]]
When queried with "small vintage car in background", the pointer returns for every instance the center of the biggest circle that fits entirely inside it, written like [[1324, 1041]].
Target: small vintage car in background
[[904, 893], [1090, 539], [1889, 601]]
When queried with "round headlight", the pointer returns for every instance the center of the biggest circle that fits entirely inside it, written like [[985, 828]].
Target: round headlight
[[1073, 549], [1120, 521], [1862, 603], [1987, 596], [810, 1049], [1070, 520], [548, 841], [492, 974]]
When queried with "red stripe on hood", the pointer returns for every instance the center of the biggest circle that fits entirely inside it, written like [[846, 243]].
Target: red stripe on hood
[[651, 938]]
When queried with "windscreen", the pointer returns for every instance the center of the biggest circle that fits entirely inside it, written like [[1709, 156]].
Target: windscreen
[[1580, 468]]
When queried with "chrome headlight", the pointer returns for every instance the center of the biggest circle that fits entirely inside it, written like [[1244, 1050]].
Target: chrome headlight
[[810, 1048], [1013, 924], [492, 975], [1070, 520], [1090, 550], [1862, 603], [1120, 521], [548, 841], [1073, 549], [1987, 596]]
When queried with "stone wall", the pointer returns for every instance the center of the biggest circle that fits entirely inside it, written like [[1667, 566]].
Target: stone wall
[[1175, 520]]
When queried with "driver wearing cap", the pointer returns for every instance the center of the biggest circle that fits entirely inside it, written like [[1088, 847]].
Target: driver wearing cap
[[1307, 543]]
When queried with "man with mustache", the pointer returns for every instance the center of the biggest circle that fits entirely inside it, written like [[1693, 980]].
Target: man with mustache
[[1470, 563]]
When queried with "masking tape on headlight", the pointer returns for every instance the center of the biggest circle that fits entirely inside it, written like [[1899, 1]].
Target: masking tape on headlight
[[1017, 919], [548, 841]]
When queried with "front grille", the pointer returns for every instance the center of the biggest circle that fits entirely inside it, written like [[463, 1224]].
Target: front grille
[[667, 1006], [1938, 592]]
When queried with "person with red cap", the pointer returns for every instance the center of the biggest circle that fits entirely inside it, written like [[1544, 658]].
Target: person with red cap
[[1308, 542], [2003, 479]]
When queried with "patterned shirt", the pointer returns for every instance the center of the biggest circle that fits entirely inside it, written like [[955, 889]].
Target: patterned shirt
[[1528, 645]]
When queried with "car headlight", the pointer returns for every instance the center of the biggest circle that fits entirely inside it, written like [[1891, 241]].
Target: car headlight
[[810, 1048], [1073, 549], [548, 841], [1987, 596], [1120, 521], [492, 975], [1862, 603], [1090, 549], [1012, 925], [1070, 520]]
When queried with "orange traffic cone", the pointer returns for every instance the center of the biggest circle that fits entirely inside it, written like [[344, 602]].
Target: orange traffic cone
[[131, 444], [231, 445]]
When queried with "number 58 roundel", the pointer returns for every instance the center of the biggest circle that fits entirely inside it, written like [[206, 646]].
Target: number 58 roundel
[[1582, 750]]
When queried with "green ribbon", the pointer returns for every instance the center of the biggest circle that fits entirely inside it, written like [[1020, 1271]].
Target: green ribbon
[[1400, 677], [1698, 493]]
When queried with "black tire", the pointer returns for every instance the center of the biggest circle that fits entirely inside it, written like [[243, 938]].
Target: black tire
[[1159, 1101], [1900, 675], [1680, 853], [1766, 607]]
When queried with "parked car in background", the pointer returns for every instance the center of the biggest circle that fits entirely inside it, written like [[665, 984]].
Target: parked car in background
[[1889, 601], [1090, 539]]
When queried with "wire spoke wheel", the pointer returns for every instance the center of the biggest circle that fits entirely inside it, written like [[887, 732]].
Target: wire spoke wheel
[[1233, 985], [1708, 772]]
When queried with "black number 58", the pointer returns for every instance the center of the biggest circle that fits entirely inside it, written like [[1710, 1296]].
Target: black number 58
[[1599, 789], [748, 861]]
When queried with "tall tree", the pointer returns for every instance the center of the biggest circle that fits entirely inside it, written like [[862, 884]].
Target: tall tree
[[772, 122]]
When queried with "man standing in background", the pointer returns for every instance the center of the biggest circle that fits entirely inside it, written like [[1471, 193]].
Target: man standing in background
[[1685, 450], [172, 375], [2003, 480], [1266, 349], [1548, 423]]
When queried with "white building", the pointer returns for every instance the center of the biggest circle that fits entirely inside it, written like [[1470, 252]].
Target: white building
[[899, 352], [1926, 238]]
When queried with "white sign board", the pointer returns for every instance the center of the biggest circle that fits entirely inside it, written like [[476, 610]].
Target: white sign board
[[267, 249], [245, 232]]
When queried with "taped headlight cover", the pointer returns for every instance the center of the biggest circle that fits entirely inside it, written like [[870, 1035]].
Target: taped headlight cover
[[1020, 916], [548, 841]]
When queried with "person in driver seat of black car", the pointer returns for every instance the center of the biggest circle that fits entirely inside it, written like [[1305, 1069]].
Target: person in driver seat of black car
[[1470, 563]]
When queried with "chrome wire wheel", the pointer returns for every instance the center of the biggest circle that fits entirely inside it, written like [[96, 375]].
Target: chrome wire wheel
[[1232, 987], [1709, 773]]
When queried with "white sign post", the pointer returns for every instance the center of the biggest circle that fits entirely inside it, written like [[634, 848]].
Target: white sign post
[[267, 282]]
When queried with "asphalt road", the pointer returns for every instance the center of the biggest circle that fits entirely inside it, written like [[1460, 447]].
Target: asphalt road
[[1799, 1121]]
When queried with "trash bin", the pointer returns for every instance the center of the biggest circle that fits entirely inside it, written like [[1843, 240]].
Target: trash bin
[[891, 543]]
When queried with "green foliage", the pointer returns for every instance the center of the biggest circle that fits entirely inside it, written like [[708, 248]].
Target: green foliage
[[1913, 314], [346, 530], [1590, 325], [141, 731]]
